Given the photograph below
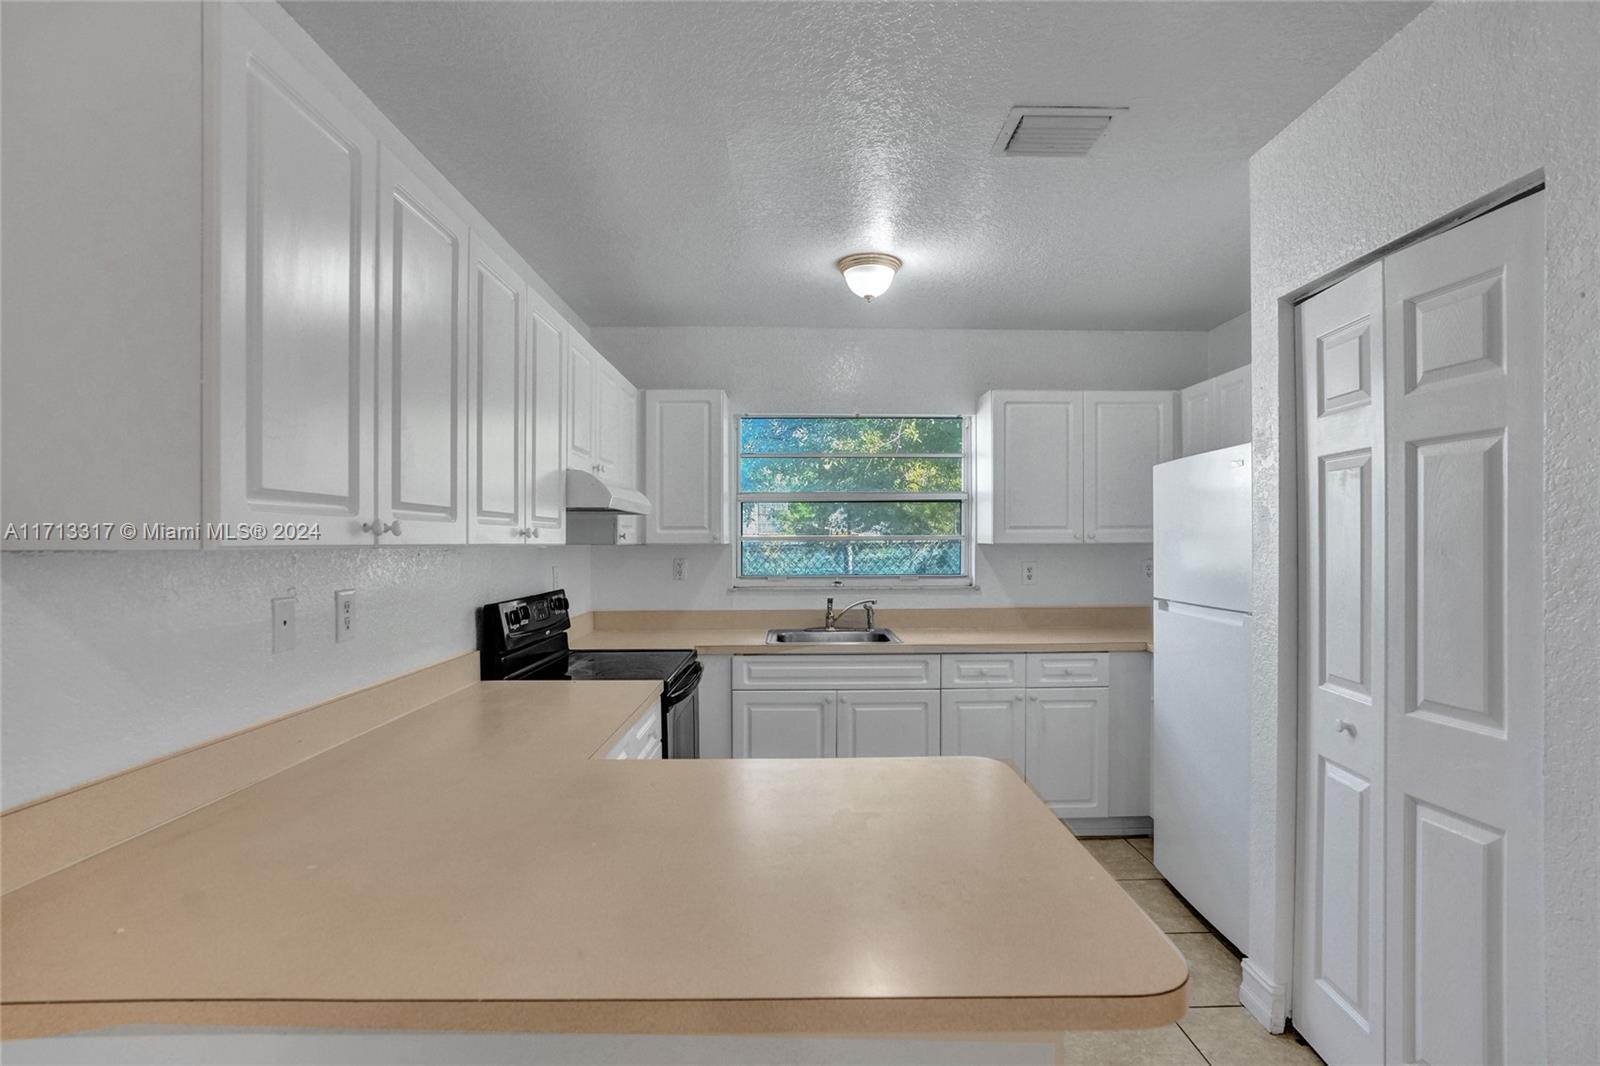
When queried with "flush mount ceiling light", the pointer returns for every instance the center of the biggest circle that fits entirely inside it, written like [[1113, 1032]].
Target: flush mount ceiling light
[[869, 274]]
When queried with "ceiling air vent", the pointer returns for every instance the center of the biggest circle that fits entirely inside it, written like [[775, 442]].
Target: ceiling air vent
[[1053, 131]]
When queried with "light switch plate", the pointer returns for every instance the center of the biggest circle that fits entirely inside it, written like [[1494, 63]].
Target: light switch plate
[[344, 615], [282, 624]]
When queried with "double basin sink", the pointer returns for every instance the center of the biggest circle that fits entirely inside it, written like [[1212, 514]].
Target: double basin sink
[[822, 635]]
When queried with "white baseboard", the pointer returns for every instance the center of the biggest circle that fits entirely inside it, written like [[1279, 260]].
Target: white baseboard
[[1267, 1002], [1109, 827]]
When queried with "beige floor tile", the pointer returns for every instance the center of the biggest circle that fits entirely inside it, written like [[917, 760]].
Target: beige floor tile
[[1213, 970], [1120, 860], [1131, 1047], [1144, 846], [1170, 913], [1228, 1036]]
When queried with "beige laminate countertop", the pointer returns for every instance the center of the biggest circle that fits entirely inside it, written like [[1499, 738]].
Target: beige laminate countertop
[[475, 865], [1072, 629]]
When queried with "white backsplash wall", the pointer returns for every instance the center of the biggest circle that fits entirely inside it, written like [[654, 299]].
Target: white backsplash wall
[[1065, 575], [114, 658]]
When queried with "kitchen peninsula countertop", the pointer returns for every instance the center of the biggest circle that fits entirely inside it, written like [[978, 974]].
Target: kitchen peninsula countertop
[[928, 630], [476, 865]]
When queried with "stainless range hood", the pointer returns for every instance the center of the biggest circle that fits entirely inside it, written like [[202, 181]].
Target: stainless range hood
[[585, 492]]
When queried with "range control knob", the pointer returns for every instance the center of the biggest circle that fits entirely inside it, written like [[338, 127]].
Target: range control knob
[[559, 603]]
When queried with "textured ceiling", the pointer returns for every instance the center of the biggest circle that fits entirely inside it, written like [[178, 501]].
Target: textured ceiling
[[668, 163]]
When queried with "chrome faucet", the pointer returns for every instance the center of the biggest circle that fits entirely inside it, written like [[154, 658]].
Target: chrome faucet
[[869, 606]]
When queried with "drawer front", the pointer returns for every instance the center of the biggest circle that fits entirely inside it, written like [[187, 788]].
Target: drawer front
[[1069, 669], [983, 671], [835, 671]]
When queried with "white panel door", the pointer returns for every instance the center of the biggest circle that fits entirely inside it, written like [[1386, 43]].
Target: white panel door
[[1067, 750], [1464, 314], [497, 454], [422, 362], [1198, 404], [1233, 408], [877, 723], [686, 465], [616, 447], [582, 432], [547, 462], [1125, 434], [291, 422], [1339, 979], [783, 725], [986, 722], [1038, 467]]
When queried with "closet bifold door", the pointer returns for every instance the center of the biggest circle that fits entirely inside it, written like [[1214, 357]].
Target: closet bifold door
[[422, 362], [289, 359], [1338, 956], [1464, 386]]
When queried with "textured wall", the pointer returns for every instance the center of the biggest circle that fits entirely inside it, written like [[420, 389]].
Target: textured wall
[[114, 658], [1228, 346], [892, 371], [1465, 100]]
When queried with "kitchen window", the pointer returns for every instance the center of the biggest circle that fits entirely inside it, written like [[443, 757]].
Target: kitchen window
[[853, 500]]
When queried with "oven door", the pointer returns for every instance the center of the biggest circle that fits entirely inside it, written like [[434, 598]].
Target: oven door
[[680, 711]]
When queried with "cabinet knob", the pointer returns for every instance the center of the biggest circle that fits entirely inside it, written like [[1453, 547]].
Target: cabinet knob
[[1340, 725], [382, 527], [1018, 697], [1091, 536]]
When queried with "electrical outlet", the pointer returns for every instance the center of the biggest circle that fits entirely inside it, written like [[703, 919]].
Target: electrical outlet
[[1149, 568], [282, 624], [555, 577], [677, 569], [1029, 572], [344, 615]]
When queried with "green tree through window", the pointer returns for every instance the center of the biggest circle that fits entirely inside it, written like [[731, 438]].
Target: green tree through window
[[851, 497]]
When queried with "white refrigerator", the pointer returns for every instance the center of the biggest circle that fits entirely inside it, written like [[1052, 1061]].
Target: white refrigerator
[[1200, 735]]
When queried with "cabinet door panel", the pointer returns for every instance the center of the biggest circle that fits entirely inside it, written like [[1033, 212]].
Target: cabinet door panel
[[783, 725], [547, 504], [1067, 752], [1125, 435], [618, 439], [582, 362], [1233, 408], [498, 395], [685, 463], [1039, 471], [888, 723], [422, 362], [1199, 404], [989, 723], [292, 412]]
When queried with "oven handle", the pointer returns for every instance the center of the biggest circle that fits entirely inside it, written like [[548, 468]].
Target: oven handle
[[690, 682]]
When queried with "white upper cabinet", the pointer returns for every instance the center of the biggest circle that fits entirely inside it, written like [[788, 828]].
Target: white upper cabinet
[[1233, 407], [617, 450], [290, 413], [1216, 412], [1125, 434], [422, 362], [497, 477], [547, 499], [685, 465], [1068, 467], [583, 362], [1032, 489]]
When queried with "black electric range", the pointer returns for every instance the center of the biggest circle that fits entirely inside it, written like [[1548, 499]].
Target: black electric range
[[526, 640]]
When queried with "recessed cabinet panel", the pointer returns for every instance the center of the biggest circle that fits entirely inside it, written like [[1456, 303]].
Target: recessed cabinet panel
[[547, 504], [1233, 408], [292, 413], [686, 470], [422, 362], [876, 671], [582, 362], [983, 671], [1039, 476], [1125, 435], [888, 723], [1090, 669], [1199, 403], [987, 722], [1068, 751], [498, 394], [783, 725]]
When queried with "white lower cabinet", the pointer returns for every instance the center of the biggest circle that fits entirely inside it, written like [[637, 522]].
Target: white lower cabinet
[[783, 725], [986, 722], [1067, 750], [888, 723], [642, 738]]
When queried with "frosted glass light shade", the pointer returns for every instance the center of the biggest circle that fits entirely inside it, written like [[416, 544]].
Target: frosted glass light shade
[[869, 274]]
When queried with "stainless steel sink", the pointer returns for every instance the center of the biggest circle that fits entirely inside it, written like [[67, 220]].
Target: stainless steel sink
[[831, 636]]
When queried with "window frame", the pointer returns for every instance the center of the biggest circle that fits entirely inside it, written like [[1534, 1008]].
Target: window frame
[[737, 498]]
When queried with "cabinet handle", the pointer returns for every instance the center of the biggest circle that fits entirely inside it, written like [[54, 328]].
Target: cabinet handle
[[382, 528], [534, 533]]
